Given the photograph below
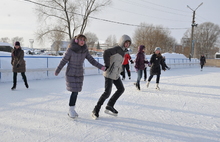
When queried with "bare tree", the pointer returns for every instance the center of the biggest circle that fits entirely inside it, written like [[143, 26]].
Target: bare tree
[[153, 36], [111, 41], [91, 39], [5, 39], [20, 39], [89, 7], [65, 16], [206, 39]]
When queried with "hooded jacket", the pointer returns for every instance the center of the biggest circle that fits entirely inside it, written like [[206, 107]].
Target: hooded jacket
[[114, 57], [156, 61], [140, 59], [75, 56]]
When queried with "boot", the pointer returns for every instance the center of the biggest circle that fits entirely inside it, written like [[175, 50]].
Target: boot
[[148, 83], [26, 84], [72, 113], [157, 86], [111, 110], [138, 86], [95, 112], [14, 86], [25, 81]]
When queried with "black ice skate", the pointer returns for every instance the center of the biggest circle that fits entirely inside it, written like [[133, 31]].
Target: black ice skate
[[110, 110]]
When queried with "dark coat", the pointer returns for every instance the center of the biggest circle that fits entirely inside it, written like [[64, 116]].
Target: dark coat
[[114, 57], [140, 59], [202, 60], [156, 61], [17, 60], [75, 56]]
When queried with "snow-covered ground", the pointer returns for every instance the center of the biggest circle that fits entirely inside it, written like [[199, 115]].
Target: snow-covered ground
[[185, 110]]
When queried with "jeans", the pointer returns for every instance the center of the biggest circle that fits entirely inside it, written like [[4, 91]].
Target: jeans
[[140, 73]]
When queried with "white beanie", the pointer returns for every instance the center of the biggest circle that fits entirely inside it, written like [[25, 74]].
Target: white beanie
[[157, 48]]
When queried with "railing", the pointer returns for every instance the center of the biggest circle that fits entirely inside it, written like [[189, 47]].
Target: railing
[[40, 67]]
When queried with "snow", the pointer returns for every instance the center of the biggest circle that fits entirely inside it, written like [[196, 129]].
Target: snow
[[185, 110]]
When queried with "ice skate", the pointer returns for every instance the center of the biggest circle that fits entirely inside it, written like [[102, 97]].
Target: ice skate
[[95, 113], [157, 86], [110, 110], [148, 83], [72, 113], [138, 86]]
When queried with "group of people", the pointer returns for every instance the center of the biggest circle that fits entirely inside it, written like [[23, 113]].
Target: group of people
[[114, 66]]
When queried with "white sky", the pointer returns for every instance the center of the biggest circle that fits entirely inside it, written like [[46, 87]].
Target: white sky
[[18, 18]]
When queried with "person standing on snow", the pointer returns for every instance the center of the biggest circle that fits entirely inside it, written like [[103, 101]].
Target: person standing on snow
[[113, 59], [156, 61], [75, 56], [18, 64], [125, 65], [202, 61], [140, 64]]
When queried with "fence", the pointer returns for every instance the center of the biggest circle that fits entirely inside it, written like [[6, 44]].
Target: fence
[[40, 67]]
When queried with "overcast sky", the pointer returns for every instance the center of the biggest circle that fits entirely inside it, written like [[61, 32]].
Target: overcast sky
[[18, 17]]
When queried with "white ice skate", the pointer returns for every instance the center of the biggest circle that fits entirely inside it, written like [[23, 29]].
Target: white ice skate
[[72, 113]]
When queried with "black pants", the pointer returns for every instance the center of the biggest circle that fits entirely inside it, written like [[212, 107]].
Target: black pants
[[125, 67], [145, 73], [202, 66], [73, 98], [15, 77], [157, 80], [108, 88]]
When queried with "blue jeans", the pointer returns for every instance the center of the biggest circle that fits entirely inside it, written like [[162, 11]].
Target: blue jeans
[[140, 73]]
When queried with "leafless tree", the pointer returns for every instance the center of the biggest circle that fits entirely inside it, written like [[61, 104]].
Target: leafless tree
[[91, 39], [111, 41], [20, 39], [5, 39], [153, 36], [205, 39], [65, 16]]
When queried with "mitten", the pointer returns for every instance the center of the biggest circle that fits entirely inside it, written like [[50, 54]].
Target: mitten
[[18, 65], [132, 62]]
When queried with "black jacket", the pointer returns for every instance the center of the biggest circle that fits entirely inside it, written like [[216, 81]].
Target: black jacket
[[156, 61]]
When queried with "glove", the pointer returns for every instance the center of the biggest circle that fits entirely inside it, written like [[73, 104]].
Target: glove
[[18, 65], [149, 64], [132, 62], [103, 68]]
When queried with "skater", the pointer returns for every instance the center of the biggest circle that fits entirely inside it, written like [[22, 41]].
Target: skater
[[140, 64], [75, 55], [113, 59], [125, 65], [202, 61], [165, 65], [156, 61], [18, 64]]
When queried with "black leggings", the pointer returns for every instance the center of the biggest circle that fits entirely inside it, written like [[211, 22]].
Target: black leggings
[[157, 80], [15, 77], [73, 98]]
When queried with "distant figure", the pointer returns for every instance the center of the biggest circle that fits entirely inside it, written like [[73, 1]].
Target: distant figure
[[190, 56], [164, 61], [202, 61], [156, 62], [140, 64], [126, 67], [18, 63]]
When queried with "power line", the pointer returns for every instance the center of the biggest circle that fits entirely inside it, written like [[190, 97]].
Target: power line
[[105, 20]]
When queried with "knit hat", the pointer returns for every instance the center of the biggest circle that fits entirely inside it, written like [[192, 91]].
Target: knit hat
[[157, 48], [17, 43]]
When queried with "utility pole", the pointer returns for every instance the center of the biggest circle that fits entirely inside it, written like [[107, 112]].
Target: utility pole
[[193, 25]]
